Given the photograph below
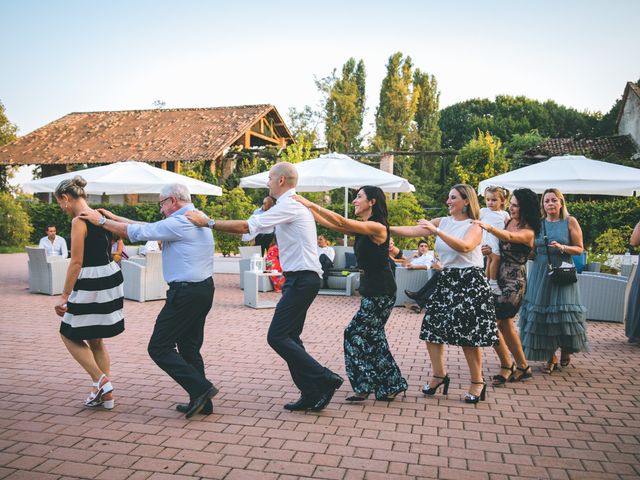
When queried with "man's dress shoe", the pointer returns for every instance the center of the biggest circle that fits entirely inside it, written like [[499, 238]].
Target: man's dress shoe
[[206, 410], [198, 403], [303, 403], [334, 383]]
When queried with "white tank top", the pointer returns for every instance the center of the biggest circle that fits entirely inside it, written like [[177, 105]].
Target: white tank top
[[451, 258]]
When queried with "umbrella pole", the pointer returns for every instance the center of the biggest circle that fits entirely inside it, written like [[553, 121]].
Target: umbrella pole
[[346, 212]]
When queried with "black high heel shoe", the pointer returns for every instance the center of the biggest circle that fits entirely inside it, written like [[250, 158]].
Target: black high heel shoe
[[358, 397], [471, 398], [517, 377], [428, 390], [498, 380], [392, 396]]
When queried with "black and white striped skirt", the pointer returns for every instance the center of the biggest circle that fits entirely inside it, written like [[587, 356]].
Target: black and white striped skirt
[[94, 308]]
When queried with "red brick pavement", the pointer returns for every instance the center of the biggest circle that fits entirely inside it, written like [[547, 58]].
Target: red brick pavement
[[583, 422]]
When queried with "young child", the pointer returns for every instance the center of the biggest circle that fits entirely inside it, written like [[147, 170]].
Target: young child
[[495, 215]]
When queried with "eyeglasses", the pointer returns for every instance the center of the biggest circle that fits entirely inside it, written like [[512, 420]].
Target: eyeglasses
[[161, 202]]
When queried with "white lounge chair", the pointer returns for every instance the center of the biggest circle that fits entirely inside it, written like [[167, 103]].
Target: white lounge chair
[[143, 278], [605, 295], [46, 274], [410, 279]]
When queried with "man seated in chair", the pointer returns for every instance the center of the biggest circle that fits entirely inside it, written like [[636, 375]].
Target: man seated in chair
[[326, 255], [53, 244], [423, 259]]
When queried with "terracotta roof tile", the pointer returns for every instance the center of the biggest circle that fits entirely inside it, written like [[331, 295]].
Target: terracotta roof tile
[[144, 135], [621, 145]]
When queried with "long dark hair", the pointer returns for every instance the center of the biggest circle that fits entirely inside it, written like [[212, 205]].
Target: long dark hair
[[379, 211], [529, 212]]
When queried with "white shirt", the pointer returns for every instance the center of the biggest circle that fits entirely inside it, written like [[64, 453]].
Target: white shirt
[[57, 247], [495, 218], [295, 230], [450, 258], [328, 251], [427, 260], [260, 211]]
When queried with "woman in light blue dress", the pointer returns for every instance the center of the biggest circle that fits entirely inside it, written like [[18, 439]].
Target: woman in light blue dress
[[552, 316]]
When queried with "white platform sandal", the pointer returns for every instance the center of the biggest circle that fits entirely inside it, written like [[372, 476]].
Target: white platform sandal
[[103, 396]]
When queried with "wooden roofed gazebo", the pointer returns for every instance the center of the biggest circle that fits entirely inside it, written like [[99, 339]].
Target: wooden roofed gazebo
[[165, 137]]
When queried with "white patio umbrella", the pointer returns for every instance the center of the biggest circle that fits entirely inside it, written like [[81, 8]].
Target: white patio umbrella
[[332, 171], [124, 178], [571, 174]]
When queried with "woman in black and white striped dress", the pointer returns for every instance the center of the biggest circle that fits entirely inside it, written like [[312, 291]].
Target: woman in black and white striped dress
[[92, 298]]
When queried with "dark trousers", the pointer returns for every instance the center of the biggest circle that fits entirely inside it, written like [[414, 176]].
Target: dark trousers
[[298, 292], [327, 265], [427, 290], [179, 332], [264, 240]]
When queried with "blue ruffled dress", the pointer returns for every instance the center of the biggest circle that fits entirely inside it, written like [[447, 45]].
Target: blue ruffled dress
[[551, 316]]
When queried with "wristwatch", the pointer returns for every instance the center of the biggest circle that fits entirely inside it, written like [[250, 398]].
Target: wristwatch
[[211, 223], [102, 220], [437, 230]]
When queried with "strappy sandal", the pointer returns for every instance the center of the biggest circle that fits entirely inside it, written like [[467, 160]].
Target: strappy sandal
[[498, 380], [565, 361], [103, 396], [551, 366], [523, 375]]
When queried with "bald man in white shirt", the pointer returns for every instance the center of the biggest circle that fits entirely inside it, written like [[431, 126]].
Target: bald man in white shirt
[[295, 230]]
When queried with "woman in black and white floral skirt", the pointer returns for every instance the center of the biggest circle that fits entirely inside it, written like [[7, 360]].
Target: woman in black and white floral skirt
[[461, 311]]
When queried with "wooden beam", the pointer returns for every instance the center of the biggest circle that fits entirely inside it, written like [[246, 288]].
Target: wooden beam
[[275, 141], [247, 139]]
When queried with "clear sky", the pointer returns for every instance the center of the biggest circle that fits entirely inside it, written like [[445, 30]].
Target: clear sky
[[69, 56]]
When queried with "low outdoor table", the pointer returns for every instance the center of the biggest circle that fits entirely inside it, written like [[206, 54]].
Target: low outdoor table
[[251, 299]]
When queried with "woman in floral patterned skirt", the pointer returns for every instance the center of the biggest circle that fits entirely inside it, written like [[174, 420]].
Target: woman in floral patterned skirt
[[460, 311], [370, 366]]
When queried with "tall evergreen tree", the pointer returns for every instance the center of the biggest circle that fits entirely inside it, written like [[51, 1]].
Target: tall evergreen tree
[[7, 134], [345, 106], [397, 106], [427, 117]]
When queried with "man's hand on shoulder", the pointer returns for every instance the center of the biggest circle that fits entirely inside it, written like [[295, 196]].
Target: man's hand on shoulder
[[107, 213], [197, 218], [92, 216]]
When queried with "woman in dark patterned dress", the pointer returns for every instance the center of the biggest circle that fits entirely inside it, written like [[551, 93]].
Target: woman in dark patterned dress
[[370, 366], [516, 244], [460, 311], [92, 297]]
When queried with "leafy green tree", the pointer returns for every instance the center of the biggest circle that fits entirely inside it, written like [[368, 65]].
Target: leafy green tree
[[344, 107], [596, 216], [233, 205], [509, 115], [304, 124], [614, 241], [7, 134], [404, 211], [483, 157], [15, 227], [520, 143], [397, 107]]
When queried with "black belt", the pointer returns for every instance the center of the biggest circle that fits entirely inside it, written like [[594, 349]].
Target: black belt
[[206, 281], [299, 272]]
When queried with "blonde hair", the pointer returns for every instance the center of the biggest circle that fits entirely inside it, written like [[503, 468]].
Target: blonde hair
[[74, 187], [564, 213], [501, 193], [467, 192]]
